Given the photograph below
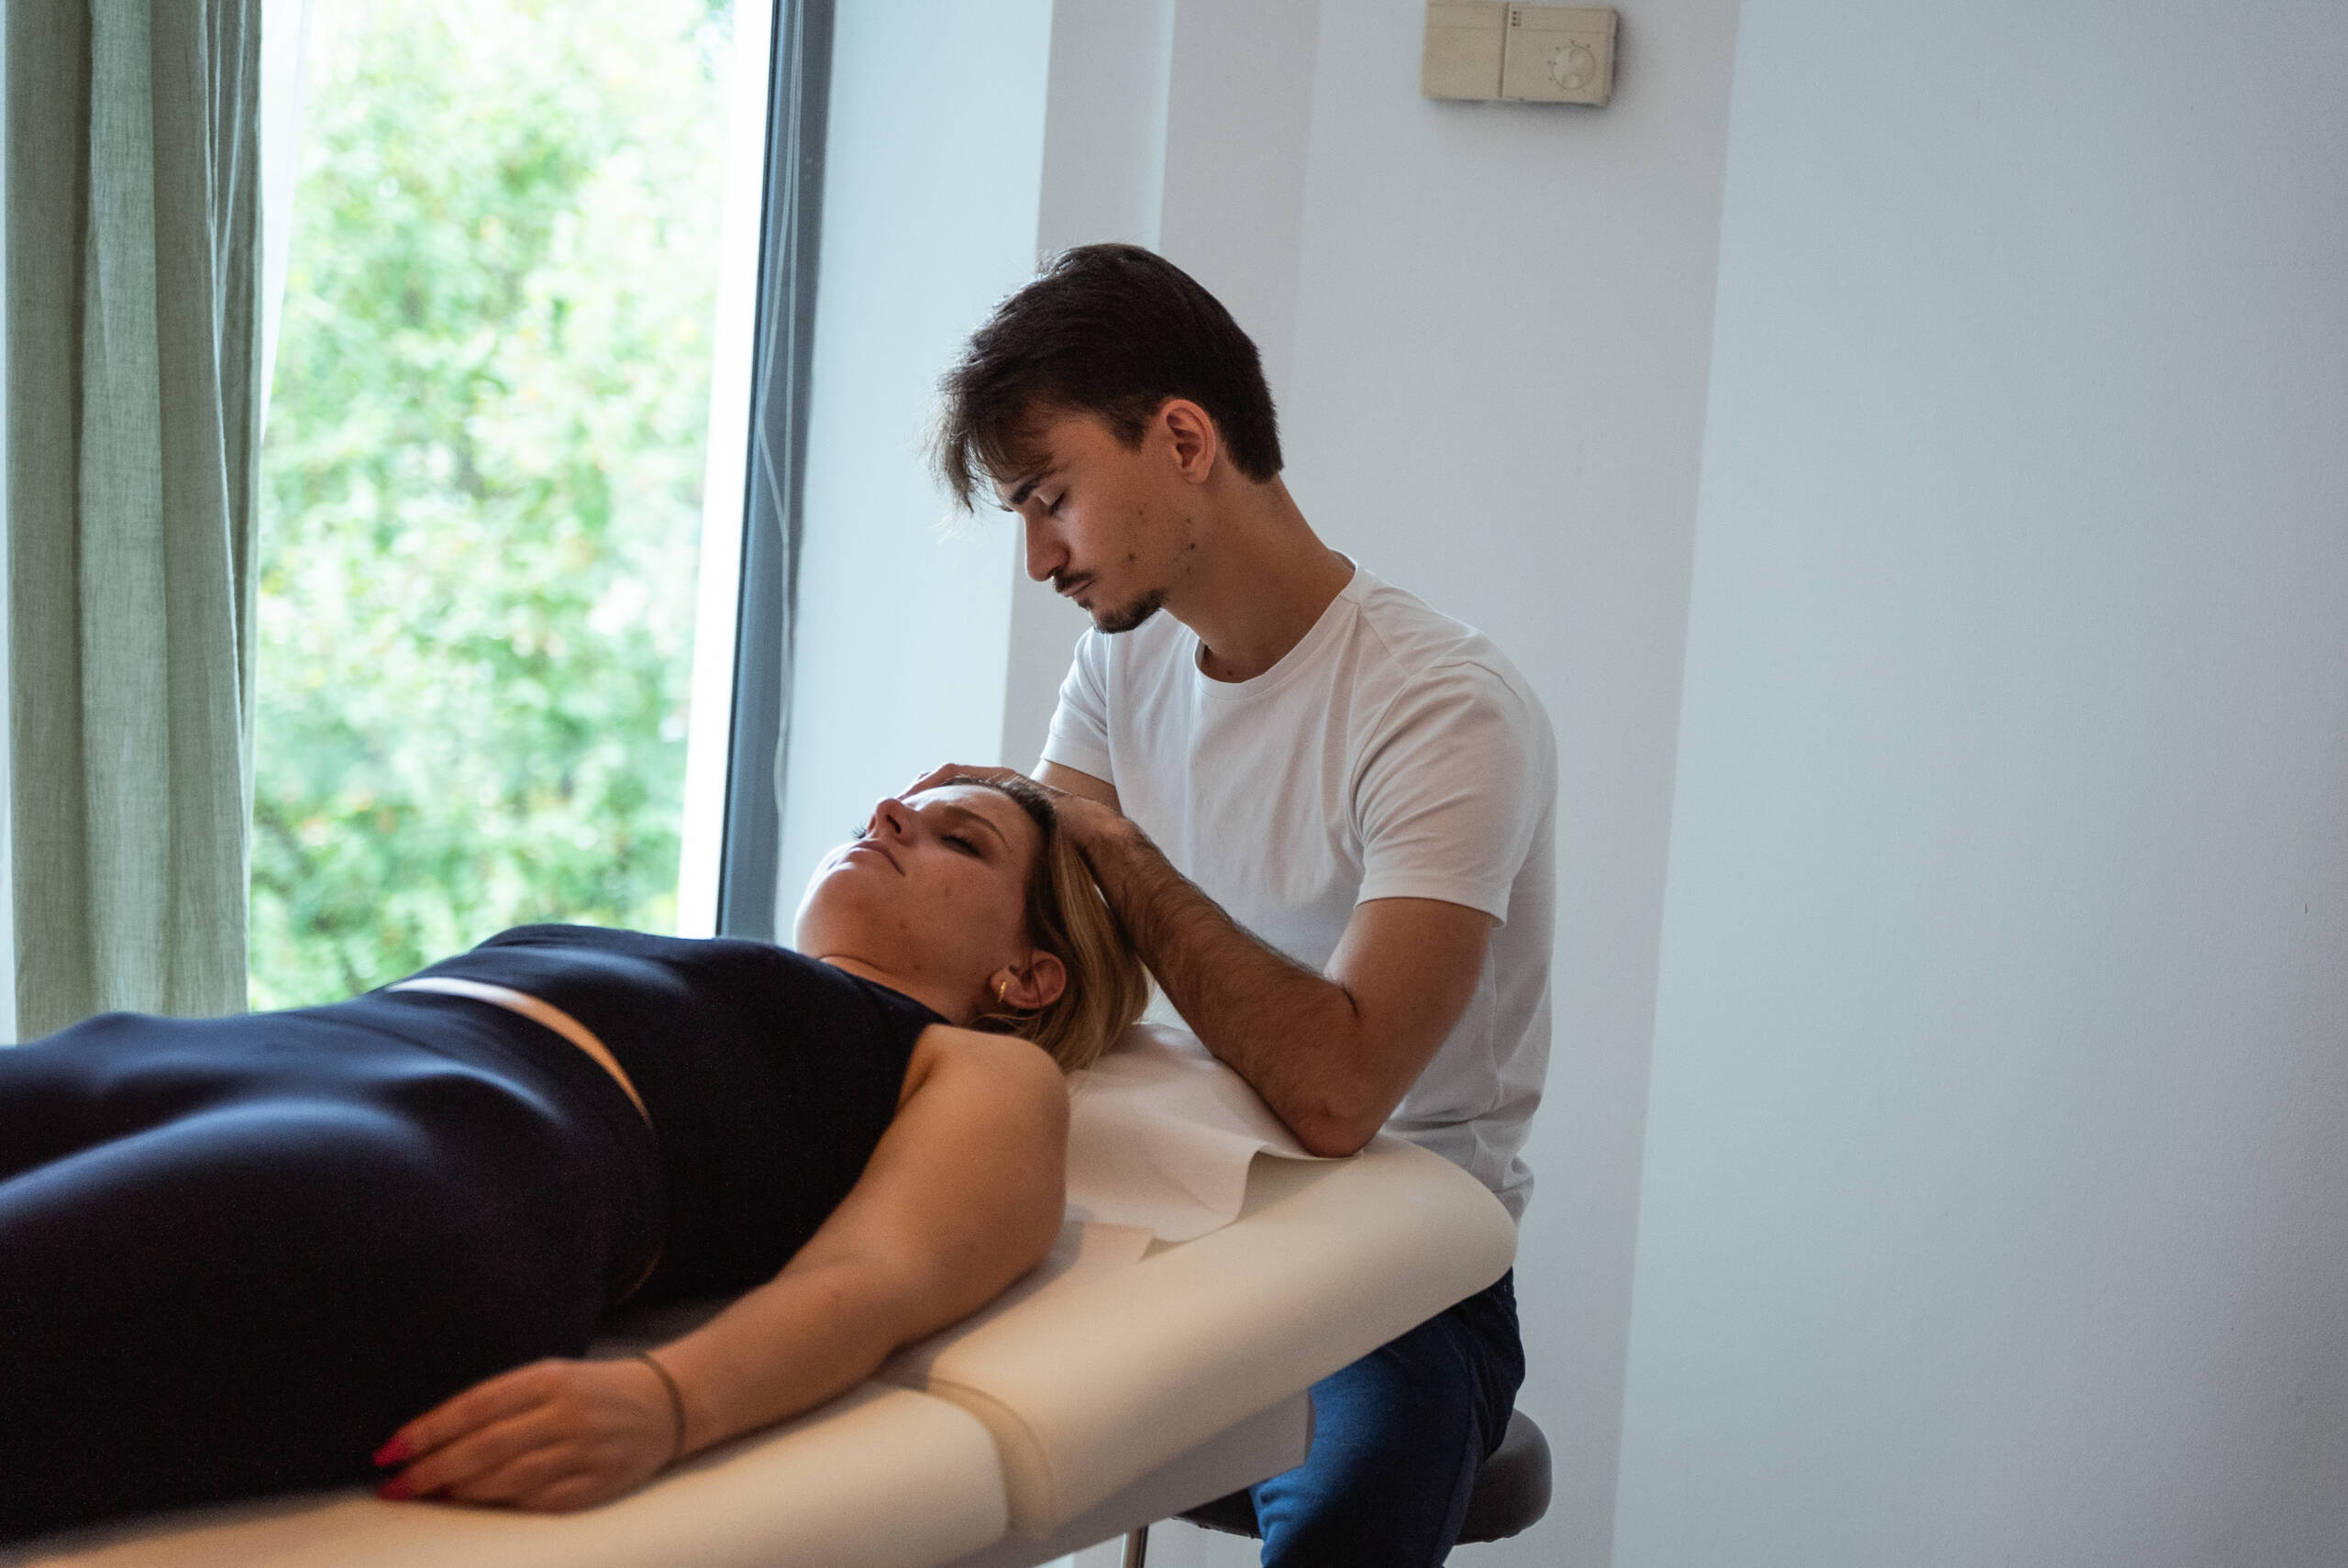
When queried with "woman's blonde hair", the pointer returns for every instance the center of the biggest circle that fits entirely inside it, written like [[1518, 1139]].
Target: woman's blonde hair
[[1067, 917]]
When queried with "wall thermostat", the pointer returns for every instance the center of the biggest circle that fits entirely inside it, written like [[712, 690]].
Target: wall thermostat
[[1531, 54]]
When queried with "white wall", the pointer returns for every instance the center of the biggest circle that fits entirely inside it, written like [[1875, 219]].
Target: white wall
[[1502, 336], [1103, 178], [931, 187], [1990, 1208], [1994, 1200], [1244, 79]]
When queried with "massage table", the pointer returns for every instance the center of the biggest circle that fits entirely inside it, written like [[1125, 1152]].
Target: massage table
[[1208, 1275]]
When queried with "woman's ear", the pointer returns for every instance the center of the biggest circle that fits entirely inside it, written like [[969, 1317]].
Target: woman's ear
[[1036, 985]]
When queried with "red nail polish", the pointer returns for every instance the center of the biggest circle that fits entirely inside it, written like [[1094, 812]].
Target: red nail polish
[[391, 1453], [399, 1488]]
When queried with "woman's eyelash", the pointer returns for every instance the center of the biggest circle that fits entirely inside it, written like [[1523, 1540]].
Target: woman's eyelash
[[966, 844]]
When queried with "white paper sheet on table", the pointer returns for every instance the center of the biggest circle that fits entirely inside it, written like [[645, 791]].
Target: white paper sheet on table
[[1161, 1135]]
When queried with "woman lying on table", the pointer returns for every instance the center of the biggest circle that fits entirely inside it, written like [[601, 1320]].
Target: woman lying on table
[[242, 1254]]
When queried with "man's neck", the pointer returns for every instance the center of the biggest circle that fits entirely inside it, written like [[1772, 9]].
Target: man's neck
[[1265, 578]]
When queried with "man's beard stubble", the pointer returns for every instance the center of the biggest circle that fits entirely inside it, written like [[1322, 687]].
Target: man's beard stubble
[[1126, 617]]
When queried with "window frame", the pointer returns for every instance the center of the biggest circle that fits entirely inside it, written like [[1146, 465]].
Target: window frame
[[798, 106]]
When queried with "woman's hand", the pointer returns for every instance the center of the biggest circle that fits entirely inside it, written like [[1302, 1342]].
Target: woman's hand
[[553, 1435]]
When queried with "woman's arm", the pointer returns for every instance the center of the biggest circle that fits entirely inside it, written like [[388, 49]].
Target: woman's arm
[[962, 1196]]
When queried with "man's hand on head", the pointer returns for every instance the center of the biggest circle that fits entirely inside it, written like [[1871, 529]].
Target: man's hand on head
[[954, 772], [1331, 1052], [1081, 817]]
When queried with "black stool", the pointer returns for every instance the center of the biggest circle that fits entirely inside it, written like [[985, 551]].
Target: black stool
[[1512, 1494]]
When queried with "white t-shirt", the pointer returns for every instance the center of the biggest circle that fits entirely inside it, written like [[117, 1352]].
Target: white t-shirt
[[1394, 753]]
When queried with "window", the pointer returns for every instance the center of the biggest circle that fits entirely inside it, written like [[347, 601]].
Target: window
[[503, 479]]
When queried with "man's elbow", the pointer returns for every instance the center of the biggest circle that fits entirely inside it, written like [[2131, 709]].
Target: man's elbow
[[1333, 1142], [1333, 1130]]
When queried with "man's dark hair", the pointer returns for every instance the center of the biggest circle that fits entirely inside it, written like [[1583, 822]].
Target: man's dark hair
[[1108, 330]]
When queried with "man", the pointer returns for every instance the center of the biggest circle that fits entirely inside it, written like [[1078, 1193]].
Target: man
[[1323, 811]]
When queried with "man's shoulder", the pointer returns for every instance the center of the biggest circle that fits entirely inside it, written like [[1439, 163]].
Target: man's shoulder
[[1421, 645]]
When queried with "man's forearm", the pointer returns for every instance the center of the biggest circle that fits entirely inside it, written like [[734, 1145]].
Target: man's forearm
[[1290, 1032]]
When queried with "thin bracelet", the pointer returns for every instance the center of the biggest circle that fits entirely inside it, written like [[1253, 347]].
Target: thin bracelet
[[676, 1405]]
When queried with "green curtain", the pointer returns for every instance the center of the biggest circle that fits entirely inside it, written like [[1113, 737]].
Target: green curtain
[[133, 168]]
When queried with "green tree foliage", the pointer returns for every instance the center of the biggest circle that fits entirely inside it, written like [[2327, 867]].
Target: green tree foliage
[[481, 480]]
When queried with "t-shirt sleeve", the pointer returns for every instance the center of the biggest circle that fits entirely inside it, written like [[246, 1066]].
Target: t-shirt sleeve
[[1078, 737], [1452, 789]]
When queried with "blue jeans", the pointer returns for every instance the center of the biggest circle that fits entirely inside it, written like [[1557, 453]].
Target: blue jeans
[[1398, 1438]]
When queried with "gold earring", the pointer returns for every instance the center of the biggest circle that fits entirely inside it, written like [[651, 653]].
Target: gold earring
[[1002, 989]]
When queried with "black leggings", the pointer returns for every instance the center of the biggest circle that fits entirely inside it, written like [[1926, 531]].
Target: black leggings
[[236, 1254]]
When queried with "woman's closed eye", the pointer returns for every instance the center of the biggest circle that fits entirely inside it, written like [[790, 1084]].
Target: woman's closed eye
[[960, 841]]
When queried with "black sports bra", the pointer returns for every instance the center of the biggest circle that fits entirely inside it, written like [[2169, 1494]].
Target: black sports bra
[[769, 1077]]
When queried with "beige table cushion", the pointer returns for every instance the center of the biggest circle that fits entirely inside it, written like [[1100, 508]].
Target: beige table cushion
[[879, 1479], [1090, 1376]]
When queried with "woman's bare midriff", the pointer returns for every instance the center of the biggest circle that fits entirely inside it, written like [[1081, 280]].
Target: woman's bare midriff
[[544, 1013]]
